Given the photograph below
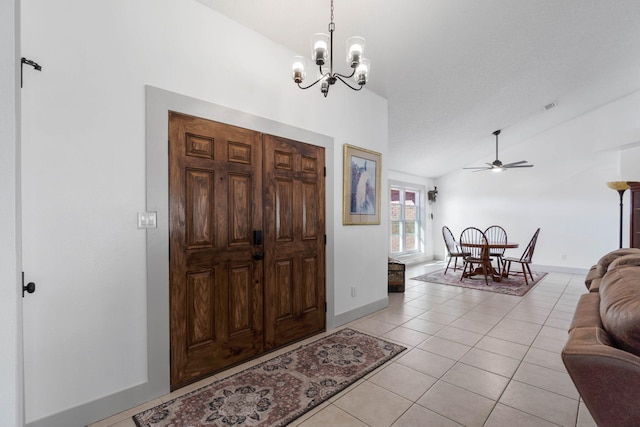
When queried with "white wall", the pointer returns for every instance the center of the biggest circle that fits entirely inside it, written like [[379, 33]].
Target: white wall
[[565, 193], [84, 174], [11, 382], [630, 163]]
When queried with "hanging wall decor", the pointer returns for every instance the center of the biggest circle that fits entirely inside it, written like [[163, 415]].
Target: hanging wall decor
[[361, 194]]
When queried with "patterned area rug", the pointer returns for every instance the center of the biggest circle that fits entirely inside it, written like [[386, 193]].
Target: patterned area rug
[[512, 285], [277, 391]]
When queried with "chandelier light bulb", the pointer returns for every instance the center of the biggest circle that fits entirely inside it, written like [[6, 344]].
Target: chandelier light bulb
[[320, 46], [298, 69], [324, 87], [355, 49], [362, 72]]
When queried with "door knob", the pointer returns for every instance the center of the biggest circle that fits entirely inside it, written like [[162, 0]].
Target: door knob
[[29, 287]]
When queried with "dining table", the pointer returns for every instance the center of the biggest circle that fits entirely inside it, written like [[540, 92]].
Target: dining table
[[495, 275]]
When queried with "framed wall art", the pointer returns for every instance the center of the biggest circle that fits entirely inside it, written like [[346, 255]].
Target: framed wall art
[[361, 193]]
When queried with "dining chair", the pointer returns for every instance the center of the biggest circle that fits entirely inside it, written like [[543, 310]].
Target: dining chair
[[524, 260], [478, 253], [497, 234], [453, 249]]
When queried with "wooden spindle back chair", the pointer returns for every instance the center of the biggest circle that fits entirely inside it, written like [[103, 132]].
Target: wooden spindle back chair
[[478, 253], [525, 259], [497, 234], [453, 250]]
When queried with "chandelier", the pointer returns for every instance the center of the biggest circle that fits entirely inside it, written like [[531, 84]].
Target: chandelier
[[321, 50]]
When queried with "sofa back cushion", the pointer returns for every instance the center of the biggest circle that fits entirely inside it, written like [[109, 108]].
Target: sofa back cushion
[[620, 307], [603, 263], [625, 260]]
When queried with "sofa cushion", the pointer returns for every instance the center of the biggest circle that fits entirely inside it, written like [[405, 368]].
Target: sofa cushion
[[595, 285], [625, 260], [603, 263], [620, 307], [592, 274]]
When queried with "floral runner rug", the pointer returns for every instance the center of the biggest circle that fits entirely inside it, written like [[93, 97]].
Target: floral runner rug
[[512, 285], [276, 392]]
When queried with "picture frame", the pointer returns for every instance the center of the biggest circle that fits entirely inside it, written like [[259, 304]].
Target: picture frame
[[361, 186]]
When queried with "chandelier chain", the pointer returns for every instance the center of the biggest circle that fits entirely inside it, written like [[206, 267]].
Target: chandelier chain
[[332, 11]]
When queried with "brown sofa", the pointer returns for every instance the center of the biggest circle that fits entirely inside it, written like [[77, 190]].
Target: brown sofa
[[602, 354]]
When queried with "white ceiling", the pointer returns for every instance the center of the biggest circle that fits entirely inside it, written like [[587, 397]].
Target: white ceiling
[[454, 71]]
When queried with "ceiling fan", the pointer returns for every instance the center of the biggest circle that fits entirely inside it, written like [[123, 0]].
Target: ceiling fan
[[496, 165]]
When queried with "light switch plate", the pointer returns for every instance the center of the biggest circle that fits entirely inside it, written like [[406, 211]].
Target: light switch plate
[[147, 220]]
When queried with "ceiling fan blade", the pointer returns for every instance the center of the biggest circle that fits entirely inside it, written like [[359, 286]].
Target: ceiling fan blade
[[479, 168], [514, 163], [519, 166]]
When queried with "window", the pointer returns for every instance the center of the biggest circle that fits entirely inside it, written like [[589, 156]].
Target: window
[[405, 220]]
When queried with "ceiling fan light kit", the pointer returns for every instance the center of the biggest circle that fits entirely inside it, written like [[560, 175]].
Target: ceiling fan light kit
[[497, 165], [322, 54]]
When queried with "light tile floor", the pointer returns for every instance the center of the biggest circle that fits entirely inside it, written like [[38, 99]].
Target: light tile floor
[[473, 358]]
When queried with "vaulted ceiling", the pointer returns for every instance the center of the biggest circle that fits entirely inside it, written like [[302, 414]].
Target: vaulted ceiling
[[453, 71]]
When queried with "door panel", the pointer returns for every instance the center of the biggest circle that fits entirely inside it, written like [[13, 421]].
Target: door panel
[[284, 210], [227, 304], [294, 243], [201, 319], [215, 197], [199, 199]]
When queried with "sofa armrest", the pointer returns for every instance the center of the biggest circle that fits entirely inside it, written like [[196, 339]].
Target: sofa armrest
[[607, 378], [587, 312], [592, 274]]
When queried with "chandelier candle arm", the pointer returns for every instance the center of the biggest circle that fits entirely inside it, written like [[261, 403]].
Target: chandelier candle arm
[[322, 53], [340, 77]]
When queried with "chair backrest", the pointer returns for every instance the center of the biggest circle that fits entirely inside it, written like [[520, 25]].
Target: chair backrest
[[449, 240], [527, 256], [477, 237], [496, 234]]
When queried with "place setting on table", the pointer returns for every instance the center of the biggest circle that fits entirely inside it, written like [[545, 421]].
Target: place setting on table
[[478, 249]]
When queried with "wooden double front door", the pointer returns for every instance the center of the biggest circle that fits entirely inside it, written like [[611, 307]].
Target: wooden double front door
[[247, 244]]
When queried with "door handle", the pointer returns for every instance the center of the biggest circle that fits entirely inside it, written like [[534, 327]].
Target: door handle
[[258, 257], [257, 237]]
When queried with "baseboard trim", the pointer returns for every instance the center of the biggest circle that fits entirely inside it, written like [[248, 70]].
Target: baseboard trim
[[98, 409], [357, 313], [414, 259], [559, 269]]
